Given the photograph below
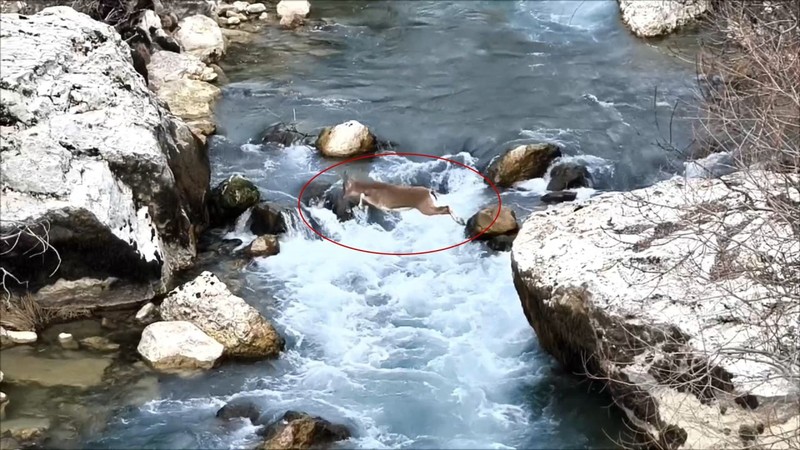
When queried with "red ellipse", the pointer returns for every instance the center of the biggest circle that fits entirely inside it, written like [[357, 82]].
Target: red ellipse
[[379, 155]]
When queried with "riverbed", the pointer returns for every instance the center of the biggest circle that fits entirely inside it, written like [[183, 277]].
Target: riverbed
[[428, 351]]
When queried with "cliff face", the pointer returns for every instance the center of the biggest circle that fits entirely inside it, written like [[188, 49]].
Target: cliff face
[[655, 292], [103, 189]]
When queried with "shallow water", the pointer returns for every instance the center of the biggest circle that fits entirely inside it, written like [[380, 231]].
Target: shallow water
[[429, 351]]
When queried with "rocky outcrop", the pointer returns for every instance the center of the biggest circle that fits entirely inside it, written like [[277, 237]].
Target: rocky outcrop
[[346, 140], [193, 101], [92, 161], [656, 293], [178, 346], [298, 430], [648, 18], [207, 303], [522, 163], [498, 235], [166, 66]]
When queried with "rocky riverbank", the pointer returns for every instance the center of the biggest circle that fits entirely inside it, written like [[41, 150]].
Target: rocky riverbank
[[655, 293]]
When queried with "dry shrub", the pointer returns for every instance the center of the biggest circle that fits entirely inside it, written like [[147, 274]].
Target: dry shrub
[[26, 314]]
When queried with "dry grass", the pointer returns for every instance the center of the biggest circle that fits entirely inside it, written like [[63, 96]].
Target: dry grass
[[26, 314]]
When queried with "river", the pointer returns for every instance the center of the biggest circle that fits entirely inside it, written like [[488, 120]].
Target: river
[[429, 351]]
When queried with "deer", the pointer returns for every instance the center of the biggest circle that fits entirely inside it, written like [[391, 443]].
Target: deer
[[394, 198]]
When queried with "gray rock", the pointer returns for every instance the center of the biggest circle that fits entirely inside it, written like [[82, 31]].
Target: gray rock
[[178, 345], [207, 303], [93, 160]]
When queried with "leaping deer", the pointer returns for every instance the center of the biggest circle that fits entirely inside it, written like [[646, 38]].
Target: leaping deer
[[390, 197]]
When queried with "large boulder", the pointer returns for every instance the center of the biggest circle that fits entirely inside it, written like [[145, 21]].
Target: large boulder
[[178, 346], [522, 163], [649, 18], [267, 218], [655, 292], [202, 37], [92, 163], [293, 12], [346, 140], [192, 100], [569, 175], [209, 304], [298, 430]]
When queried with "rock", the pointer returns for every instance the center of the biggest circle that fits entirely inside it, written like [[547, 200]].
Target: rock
[[284, 135], [522, 163], [327, 195], [89, 152], [648, 18], [189, 99], [239, 327], [290, 8], [267, 219], [298, 430], [240, 408], [24, 432], [264, 16], [266, 245], [188, 8], [167, 66], [505, 224], [231, 198], [643, 283], [67, 341], [256, 8], [569, 175], [99, 344], [10, 338], [240, 6], [231, 21], [559, 197], [147, 313], [201, 36], [292, 22], [178, 345], [1, 376], [3, 403], [345, 140]]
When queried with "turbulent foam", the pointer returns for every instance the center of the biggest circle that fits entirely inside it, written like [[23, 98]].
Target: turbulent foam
[[392, 339]]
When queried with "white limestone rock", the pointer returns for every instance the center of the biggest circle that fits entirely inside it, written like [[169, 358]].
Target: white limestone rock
[[347, 139], [202, 37], [10, 338], [643, 280], [208, 303], [89, 151], [648, 18], [177, 346]]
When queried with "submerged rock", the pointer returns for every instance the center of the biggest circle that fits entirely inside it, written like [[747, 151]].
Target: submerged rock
[[298, 430], [67, 341], [178, 345], [648, 18], [569, 175], [231, 197], [329, 196], [207, 303], [240, 408], [345, 140], [501, 234], [266, 245], [522, 163], [99, 344], [202, 37], [27, 365], [641, 284], [93, 161]]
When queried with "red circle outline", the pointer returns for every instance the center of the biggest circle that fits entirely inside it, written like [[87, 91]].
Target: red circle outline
[[380, 155]]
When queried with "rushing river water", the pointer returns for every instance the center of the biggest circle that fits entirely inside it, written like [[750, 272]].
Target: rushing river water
[[429, 351]]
